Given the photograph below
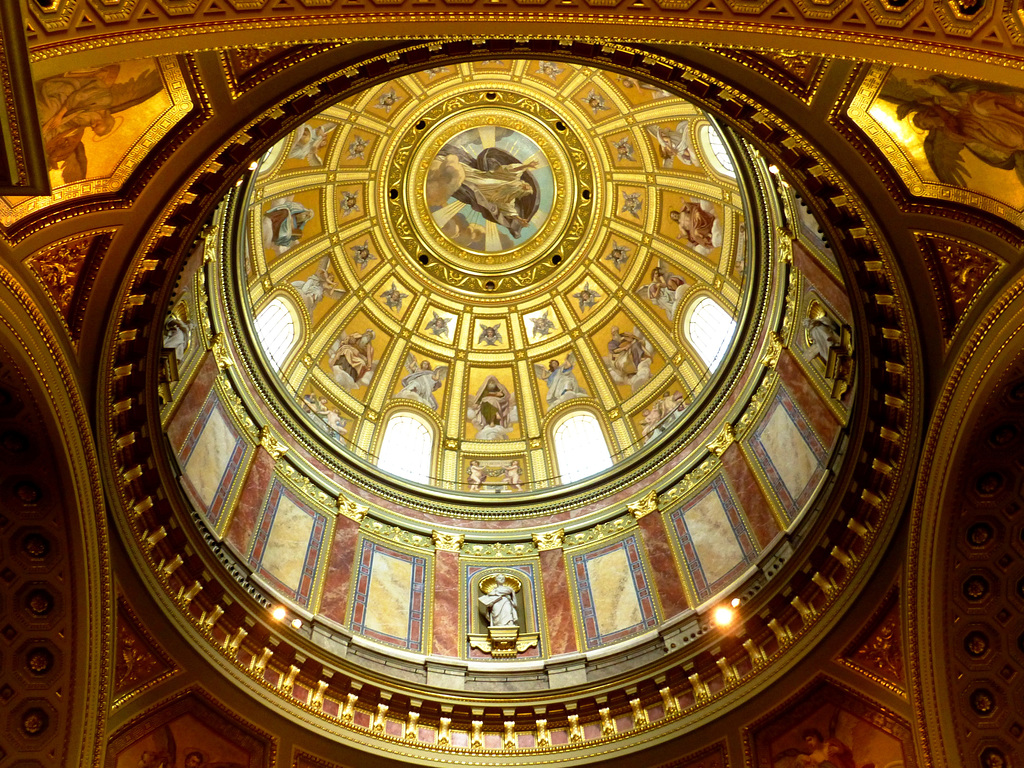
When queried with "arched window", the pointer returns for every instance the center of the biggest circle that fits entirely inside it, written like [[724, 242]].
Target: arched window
[[717, 152], [710, 329], [406, 448], [580, 447], [275, 328]]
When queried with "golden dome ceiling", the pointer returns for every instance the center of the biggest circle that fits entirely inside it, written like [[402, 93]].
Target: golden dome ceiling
[[490, 246]]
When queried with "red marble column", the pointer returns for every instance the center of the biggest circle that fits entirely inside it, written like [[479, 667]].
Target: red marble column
[[821, 280], [751, 498], [192, 401], [807, 398], [341, 563], [445, 608], [246, 513], [560, 631], [664, 568]]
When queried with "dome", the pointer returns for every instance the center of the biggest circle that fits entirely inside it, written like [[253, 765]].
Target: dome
[[522, 375], [498, 276]]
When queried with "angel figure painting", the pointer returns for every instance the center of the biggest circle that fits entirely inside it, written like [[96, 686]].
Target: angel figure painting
[[560, 379], [629, 358], [187, 741], [673, 144], [351, 360], [322, 284], [665, 290], [82, 108], [422, 381], [489, 189], [493, 410], [961, 121], [662, 415]]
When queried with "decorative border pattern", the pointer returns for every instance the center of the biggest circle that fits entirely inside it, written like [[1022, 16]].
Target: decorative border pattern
[[644, 593], [413, 641], [313, 547], [684, 540]]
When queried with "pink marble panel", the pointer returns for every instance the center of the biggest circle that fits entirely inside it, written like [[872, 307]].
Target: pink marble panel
[[559, 630], [822, 281], [247, 509], [752, 501], [191, 402], [341, 563], [445, 620], [807, 398], [526, 740], [663, 565], [492, 740]]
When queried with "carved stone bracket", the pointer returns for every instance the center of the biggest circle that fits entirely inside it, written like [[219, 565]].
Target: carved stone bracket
[[449, 542], [504, 642], [645, 506], [272, 444], [549, 539]]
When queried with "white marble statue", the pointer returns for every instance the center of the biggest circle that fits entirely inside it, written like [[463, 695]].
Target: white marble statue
[[500, 604]]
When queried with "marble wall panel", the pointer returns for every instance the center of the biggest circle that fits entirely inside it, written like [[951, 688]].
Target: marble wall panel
[[246, 513], [664, 568], [191, 401], [341, 563], [713, 538], [288, 543], [614, 592], [788, 452], [810, 401], [822, 281], [445, 607], [211, 459], [388, 602], [558, 627], [750, 497]]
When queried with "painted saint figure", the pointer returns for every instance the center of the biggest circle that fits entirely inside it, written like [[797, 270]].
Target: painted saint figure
[[698, 225], [493, 410], [629, 358], [561, 380], [322, 284], [423, 380], [500, 604], [283, 223], [665, 290], [351, 359]]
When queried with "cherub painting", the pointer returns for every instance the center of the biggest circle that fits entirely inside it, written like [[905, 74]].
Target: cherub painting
[[438, 326], [351, 360], [322, 408], [422, 381], [673, 144], [361, 254], [619, 255], [662, 415], [543, 325], [490, 335], [629, 358], [587, 297], [357, 148], [393, 297], [665, 290], [958, 115], [632, 203], [322, 284], [624, 149]]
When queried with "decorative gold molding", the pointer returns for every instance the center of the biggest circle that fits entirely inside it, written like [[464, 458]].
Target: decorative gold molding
[[548, 540], [351, 509], [645, 506], [447, 542], [271, 443], [725, 438]]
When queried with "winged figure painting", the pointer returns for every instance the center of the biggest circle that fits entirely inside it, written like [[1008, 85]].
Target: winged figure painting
[[322, 284], [665, 289], [423, 380], [958, 114], [673, 144], [629, 358], [561, 380]]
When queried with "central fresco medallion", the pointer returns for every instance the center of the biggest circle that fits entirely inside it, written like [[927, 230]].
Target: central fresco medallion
[[497, 194]]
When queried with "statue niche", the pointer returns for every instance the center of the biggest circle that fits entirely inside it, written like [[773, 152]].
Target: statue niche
[[500, 617]]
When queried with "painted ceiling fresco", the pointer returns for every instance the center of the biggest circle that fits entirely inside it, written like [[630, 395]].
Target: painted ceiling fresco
[[492, 246]]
